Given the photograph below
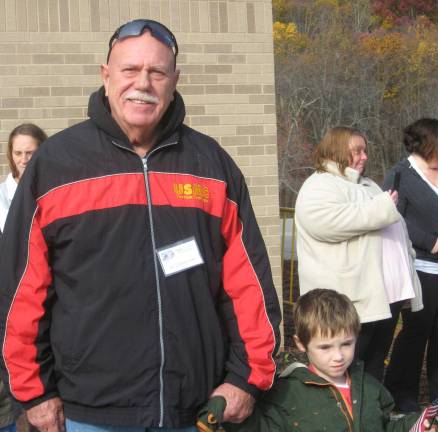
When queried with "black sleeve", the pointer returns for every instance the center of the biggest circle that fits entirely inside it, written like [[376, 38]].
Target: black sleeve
[[25, 296], [250, 310]]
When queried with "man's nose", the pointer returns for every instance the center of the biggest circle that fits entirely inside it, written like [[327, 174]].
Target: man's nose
[[143, 81]]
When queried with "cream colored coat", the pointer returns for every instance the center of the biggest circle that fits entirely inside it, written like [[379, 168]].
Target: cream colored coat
[[338, 220]]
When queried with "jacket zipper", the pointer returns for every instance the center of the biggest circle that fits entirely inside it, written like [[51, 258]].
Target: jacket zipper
[[339, 403], [144, 162]]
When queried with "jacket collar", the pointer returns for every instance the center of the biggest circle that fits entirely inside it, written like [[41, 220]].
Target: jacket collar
[[301, 372], [350, 174], [99, 112], [11, 186]]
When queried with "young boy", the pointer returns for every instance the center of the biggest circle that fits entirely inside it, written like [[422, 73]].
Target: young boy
[[333, 393]]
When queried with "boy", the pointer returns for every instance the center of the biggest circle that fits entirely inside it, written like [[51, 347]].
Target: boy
[[333, 393]]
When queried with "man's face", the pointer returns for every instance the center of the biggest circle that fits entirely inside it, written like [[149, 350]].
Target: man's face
[[330, 356], [139, 82]]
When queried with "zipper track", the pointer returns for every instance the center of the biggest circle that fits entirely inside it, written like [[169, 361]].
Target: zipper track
[[339, 403], [144, 162]]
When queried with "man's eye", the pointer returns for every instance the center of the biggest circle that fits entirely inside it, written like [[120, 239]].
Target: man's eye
[[157, 74]]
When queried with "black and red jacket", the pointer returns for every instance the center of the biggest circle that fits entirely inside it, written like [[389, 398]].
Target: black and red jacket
[[86, 310]]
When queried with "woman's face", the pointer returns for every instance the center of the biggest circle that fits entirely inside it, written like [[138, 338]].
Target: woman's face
[[432, 164], [23, 147], [358, 153]]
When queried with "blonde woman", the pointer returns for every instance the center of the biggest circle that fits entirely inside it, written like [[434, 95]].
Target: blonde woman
[[345, 223]]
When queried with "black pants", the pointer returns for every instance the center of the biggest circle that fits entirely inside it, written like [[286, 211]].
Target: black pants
[[419, 329], [374, 341]]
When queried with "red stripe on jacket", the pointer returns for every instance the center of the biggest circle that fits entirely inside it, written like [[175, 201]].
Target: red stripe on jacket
[[19, 350], [242, 285], [92, 194]]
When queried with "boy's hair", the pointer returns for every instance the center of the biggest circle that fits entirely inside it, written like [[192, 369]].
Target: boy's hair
[[324, 312]]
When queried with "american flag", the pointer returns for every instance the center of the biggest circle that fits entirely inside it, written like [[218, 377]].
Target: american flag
[[429, 413]]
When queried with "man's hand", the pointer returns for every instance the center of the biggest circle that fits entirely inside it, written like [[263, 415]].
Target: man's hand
[[48, 416], [239, 403]]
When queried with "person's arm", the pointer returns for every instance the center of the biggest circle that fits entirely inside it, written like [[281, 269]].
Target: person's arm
[[420, 239], [269, 414], [26, 297], [249, 306], [403, 424], [326, 213]]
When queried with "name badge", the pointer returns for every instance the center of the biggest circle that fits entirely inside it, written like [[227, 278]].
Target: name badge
[[179, 256]]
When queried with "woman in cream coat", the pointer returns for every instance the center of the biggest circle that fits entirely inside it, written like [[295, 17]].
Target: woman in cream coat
[[346, 230]]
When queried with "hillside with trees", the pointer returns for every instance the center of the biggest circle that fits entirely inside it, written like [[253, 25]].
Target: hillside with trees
[[368, 64]]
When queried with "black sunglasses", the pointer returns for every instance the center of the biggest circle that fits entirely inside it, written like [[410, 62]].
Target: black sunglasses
[[137, 27]]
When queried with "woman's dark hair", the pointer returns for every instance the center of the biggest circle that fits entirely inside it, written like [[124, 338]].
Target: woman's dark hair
[[421, 137], [24, 129]]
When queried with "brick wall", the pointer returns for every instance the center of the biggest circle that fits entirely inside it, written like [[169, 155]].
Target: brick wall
[[50, 52]]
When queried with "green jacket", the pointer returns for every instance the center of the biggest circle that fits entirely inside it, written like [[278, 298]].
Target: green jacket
[[301, 401], [9, 410]]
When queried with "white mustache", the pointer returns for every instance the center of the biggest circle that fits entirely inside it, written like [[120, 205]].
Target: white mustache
[[141, 96]]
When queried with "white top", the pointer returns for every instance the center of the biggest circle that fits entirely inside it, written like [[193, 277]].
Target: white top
[[423, 265], [7, 191], [396, 263]]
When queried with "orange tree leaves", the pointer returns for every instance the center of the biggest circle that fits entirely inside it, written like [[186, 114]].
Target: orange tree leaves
[[340, 62]]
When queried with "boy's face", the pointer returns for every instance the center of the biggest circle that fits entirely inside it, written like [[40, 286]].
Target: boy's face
[[330, 356]]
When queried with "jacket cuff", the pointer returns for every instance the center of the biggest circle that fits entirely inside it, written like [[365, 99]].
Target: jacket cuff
[[236, 380], [34, 402]]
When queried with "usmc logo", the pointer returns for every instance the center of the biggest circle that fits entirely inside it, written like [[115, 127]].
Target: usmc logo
[[191, 191]]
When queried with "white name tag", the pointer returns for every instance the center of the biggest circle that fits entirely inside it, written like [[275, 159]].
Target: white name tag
[[179, 256]]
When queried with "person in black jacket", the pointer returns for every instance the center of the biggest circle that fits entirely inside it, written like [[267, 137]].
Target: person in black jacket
[[418, 203], [134, 279]]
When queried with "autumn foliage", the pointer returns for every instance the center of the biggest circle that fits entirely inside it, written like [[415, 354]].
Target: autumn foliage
[[369, 64]]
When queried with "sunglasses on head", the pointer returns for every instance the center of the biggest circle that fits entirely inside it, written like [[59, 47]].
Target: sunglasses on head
[[137, 28]]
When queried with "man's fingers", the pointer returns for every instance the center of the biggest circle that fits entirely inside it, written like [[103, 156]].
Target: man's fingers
[[239, 403], [47, 416]]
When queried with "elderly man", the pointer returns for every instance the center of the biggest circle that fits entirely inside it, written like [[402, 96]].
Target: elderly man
[[134, 279]]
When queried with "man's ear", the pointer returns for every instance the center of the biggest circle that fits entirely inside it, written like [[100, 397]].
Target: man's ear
[[299, 344], [104, 74], [175, 79]]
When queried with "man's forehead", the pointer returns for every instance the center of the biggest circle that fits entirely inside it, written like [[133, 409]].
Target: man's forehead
[[135, 49]]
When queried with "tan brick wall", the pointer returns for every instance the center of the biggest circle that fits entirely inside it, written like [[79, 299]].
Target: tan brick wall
[[50, 52]]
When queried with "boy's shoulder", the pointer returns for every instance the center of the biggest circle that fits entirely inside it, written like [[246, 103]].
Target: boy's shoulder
[[298, 373], [292, 382]]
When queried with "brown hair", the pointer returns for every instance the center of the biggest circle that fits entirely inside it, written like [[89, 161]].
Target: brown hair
[[24, 129], [334, 147], [324, 312], [421, 137]]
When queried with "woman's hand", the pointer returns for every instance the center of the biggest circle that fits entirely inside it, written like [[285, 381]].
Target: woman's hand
[[435, 248], [394, 196]]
